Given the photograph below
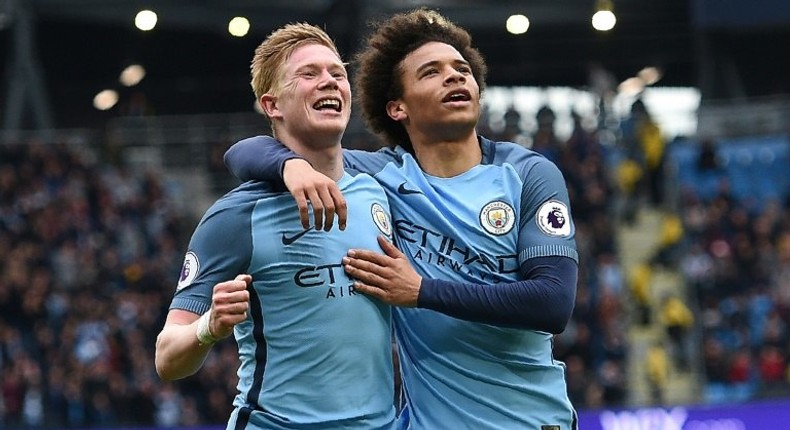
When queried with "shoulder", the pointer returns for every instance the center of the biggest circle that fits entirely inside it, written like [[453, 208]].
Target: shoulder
[[355, 182], [242, 199], [372, 162], [532, 170], [381, 155], [502, 152], [357, 177]]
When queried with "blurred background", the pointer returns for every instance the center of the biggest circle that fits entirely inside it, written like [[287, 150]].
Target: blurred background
[[669, 119]]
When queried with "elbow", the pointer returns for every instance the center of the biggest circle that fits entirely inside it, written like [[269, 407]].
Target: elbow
[[557, 322], [554, 321], [165, 367], [564, 291], [162, 370], [166, 371], [557, 319], [165, 376], [163, 373]]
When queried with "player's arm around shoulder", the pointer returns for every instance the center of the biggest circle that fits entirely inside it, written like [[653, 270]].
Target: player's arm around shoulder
[[187, 338]]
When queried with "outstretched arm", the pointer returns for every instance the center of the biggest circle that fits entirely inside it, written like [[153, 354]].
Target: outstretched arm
[[264, 158], [544, 301]]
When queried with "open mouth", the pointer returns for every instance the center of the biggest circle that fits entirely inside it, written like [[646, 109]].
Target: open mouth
[[457, 96], [328, 104]]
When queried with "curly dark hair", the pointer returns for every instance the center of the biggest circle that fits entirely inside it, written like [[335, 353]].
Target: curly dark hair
[[378, 76]]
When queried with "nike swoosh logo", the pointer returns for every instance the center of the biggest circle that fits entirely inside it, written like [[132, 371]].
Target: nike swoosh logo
[[403, 190], [289, 240]]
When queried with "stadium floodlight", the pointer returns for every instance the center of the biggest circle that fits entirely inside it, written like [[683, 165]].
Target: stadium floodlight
[[132, 75], [517, 24], [145, 20], [105, 99], [239, 26], [604, 18]]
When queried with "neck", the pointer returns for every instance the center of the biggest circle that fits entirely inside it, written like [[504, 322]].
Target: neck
[[325, 157], [447, 158], [328, 161]]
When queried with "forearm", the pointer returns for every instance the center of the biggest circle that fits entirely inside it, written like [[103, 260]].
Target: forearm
[[542, 302], [258, 158], [178, 352]]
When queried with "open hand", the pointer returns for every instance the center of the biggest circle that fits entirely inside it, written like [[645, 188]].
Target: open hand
[[307, 185], [388, 277]]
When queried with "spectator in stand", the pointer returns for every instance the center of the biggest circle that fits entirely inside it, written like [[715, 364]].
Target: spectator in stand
[[657, 370], [708, 159], [644, 148], [545, 140], [678, 321]]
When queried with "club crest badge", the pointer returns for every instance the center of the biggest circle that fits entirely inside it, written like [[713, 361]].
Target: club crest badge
[[552, 219], [497, 218], [189, 270], [382, 219]]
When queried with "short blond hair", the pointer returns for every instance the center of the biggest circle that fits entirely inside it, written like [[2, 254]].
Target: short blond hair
[[270, 56]]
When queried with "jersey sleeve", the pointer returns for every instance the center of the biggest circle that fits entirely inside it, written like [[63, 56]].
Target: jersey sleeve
[[545, 226], [259, 158], [543, 301], [220, 249]]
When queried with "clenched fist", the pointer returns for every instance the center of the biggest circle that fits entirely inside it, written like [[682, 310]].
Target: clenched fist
[[230, 302]]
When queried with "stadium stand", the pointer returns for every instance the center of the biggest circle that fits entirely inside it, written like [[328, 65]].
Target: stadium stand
[[684, 291], [93, 229]]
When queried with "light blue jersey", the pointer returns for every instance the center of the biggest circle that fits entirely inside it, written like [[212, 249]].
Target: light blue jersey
[[327, 350], [477, 227]]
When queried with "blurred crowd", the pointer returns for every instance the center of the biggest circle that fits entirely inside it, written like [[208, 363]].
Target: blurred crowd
[[735, 259], [91, 252]]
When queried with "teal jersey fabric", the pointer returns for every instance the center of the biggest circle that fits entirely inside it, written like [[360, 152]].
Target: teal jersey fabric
[[326, 349], [477, 227]]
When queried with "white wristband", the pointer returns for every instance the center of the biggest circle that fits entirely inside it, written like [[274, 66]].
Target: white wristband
[[203, 333]]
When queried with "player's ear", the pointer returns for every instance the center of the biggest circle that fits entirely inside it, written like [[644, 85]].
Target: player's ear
[[268, 104], [396, 110]]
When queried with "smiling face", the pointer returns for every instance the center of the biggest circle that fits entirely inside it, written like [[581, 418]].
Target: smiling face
[[313, 99], [440, 93]]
